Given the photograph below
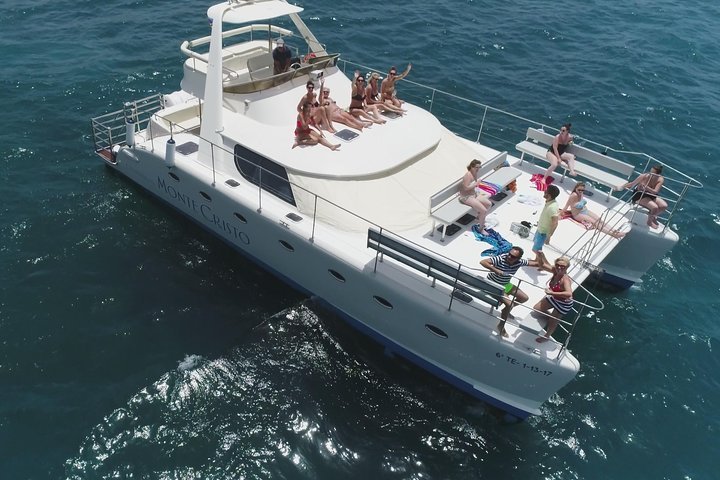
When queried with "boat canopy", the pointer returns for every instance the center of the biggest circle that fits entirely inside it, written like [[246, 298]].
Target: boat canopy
[[251, 11]]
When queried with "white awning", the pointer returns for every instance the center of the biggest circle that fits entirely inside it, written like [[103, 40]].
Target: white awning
[[246, 12]]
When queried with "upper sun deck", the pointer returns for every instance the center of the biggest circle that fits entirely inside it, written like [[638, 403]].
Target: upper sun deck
[[375, 151]]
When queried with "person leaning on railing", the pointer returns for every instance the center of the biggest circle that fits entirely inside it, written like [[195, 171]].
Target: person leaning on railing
[[558, 297], [502, 268]]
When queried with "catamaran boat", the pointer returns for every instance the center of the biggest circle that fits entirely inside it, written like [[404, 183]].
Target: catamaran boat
[[375, 228]]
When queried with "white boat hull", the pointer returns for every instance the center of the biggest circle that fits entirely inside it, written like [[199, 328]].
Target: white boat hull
[[514, 377]]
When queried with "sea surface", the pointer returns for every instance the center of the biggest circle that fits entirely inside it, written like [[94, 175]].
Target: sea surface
[[135, 345]]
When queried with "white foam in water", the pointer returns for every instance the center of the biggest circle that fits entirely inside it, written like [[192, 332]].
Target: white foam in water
[[189, 362]]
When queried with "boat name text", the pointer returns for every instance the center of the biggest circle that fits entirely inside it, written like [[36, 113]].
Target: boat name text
[[204, 210]]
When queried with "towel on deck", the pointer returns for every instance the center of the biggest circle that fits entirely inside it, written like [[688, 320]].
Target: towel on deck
[[491, 188], [499, 244], [567, 215], [540, 185]]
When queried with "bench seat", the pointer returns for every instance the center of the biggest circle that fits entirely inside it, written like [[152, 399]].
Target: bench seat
[[452, 275], [445, 207], [594, 166]]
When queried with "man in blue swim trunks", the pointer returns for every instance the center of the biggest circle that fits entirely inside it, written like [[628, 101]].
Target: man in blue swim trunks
[[546, 225]]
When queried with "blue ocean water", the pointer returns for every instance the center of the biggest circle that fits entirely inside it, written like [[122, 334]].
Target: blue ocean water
[[134, 345]]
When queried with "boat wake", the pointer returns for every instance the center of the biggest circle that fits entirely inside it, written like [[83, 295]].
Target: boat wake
[[293, 400]]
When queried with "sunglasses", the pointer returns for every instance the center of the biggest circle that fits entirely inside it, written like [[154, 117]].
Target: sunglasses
[[516, 257], [310, 87], [560, 266]]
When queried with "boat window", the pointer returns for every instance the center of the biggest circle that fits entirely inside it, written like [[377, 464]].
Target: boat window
[[264, 173], [437, 331]]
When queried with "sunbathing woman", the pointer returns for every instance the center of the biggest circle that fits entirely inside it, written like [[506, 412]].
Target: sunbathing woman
[[318, 112], [339, 115], [305, 134], [387, 88], [470, 197], [556, 154], [577, 207], [647, 187], [358, 108], [373, 97]]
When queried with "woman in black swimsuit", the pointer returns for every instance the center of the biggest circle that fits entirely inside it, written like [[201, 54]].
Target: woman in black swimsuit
[[647, 187], [358, 107], [557, 154]]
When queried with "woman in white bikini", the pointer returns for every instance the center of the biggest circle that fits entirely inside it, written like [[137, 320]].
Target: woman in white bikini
[[470, 197], [373, 97], [339, 115]]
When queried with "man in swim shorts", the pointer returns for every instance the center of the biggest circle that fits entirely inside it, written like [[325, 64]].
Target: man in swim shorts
[[502, 268], [546, 225]]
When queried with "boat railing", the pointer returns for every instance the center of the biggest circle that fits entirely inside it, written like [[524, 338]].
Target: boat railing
[[464, 282], [503, 130], [237, 83], [111, 129]]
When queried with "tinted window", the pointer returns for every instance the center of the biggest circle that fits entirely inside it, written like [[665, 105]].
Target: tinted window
[[256, 169]]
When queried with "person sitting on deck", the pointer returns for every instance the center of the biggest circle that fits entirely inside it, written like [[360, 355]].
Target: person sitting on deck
[[304, 132], [358, 107], [502, 268], [479, 201], [647, 187], [387, 87], [339, 115], [319, 113], [577, 207], [558, 297], [282, 57], [557, 152], [373, 97]]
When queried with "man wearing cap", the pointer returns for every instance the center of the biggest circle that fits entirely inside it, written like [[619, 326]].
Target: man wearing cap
[[281, 57]]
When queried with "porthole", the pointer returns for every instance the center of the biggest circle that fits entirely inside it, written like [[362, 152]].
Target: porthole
[[240, 217], [436, 331], [383, 302], [336, 275], [294, 217], [462, 296], [205, 196], [232, 182], [174, 177], [287, 246]]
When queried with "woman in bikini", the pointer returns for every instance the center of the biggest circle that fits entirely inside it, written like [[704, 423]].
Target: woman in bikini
[[339, 115], [557, 152], [387, 87], [318, 112], [470, 197], [577, 207], [558, 297], [373, 97], [304, 132], [358, 108], [647, 187]]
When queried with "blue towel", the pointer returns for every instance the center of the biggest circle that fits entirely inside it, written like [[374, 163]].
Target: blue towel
[[499, 244]]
